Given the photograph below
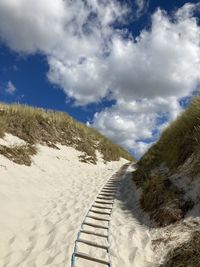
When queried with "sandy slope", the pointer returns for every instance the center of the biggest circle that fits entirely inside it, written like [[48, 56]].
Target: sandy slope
[[42, 206], [130, 237]]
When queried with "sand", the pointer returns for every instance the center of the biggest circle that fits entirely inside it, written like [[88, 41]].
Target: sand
[[130, 236], [42, 206]]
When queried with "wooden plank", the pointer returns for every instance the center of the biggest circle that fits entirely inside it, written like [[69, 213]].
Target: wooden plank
[[106, 198], [96, 225], [115, 186], [93, 233], [112, 183], [97, 218], [100, 207], [100, 212], [104, 202], [107, 194], [109, 188], [93, 244], [106, 191], [87, 257]]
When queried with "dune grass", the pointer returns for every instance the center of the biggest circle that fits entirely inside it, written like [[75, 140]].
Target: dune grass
[[176, 144], [186, 254], [161, 200], [35, 125], [19, 154], [179, 141]]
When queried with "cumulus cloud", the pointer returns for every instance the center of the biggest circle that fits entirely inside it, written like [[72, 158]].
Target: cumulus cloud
[[90, 59], [161, 62], [132, 123], [10, 88]]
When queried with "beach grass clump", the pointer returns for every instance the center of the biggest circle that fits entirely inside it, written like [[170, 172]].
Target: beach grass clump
[[186, 254], [19, 154], [177, 143], [161, 200], [47, 127]]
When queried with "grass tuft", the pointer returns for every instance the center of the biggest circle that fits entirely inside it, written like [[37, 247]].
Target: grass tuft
[[176, 144], [160, 201], [19, 154], [35, 125], [186, 254]]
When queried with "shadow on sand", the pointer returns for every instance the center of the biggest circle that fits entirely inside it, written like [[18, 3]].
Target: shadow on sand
[[128, 196]]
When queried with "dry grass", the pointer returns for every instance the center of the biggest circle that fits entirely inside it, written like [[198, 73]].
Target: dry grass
[[176, 144], [186, 255], [161, 200], [178, 141], [19, 154], [35, 125]]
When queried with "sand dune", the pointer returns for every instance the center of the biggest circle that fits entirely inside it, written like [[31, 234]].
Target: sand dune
[[42, 206]]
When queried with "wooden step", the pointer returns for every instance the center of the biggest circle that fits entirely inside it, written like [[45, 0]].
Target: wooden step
[[96, 225], [100, 212], [100, 207], [108, 190], [93, 244], [87, 257], [105, 198], [93, 233], [104, 202], [110, 186], [107, 194], [97, 218]]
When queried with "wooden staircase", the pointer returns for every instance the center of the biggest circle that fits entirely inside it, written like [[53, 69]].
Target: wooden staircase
[[100, 213]]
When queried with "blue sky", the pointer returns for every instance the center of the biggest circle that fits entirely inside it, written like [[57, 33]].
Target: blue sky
[[126, 68]]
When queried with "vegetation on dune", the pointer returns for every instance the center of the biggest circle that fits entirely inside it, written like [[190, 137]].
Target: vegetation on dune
[[161, 201], [179, 141], [35, 125], [176, 144], [19, 154], [186, 254]]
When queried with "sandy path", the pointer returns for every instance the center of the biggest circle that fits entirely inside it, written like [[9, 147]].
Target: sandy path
[[42, 206], [130, 237]]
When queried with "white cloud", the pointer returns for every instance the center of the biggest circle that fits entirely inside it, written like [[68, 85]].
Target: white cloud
[[142, 6], [10, 88], [89, 59], [130, 123], [163, 61]]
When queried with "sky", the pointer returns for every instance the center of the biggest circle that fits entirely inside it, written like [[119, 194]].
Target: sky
[[127, 68]]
